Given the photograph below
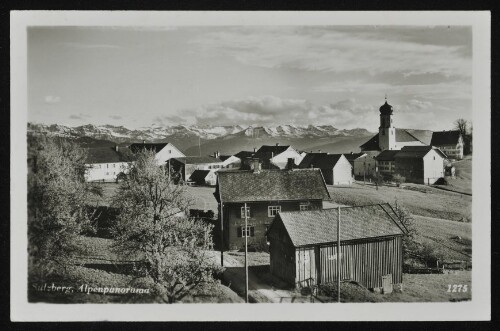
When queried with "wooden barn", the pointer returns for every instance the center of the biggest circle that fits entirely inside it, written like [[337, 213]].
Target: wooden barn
[[303, 246]]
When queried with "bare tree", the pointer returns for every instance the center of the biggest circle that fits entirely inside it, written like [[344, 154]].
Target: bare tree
[[462, 126], [173, 248]]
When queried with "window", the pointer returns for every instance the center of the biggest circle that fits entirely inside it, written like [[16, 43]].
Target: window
[[249, 231], [114, 165], [242, 212], [169, 151], [107, 165], [273, 210], [305, 206]]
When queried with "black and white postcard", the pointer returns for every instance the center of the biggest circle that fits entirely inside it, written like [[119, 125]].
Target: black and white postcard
[[250, 166]]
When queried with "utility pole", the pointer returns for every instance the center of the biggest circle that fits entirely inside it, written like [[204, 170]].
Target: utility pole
[[338, 254], [199, 144], [246, 253], [364, 171]]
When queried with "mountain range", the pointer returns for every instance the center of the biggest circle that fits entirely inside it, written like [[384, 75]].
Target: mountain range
[[196, 139]]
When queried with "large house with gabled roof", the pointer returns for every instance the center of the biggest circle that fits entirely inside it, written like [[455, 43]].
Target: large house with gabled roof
[[163, 151], [266, 193], [335, 168], [105, 164], [277, 156]]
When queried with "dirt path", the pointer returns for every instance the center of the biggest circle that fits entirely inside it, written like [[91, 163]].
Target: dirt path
[[258, 290]]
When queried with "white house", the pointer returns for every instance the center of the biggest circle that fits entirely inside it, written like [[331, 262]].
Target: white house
[[104, 164], [189, 164], [365, 165], [277, 156], [449, 142], [335, 168], [229, 161], [163, 151], [420, 164]]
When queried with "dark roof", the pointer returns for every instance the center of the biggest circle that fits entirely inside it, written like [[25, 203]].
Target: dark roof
[[417, 152], [403, 136], [387, 155], [424, 136], [440, 138], [198, 176], [371, 145], [386, 109], [353, 156], [320, 160], [108, 155], [224, 157], [320, 226], [198, 159], [271, 185], [244, 154], [150, 147], [267, 152]]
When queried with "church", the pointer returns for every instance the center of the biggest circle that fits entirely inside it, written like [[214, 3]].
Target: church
[[418, 155], [391, 138]]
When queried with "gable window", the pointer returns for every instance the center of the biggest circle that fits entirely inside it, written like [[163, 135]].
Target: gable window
[[305, 206], [273, 210], [169, 151], [242, 212], [248, 231]]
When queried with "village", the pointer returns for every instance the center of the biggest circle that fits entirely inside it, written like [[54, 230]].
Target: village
[[282, 217]]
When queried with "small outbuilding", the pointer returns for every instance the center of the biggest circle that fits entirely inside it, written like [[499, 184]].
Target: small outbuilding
[[303, 246]]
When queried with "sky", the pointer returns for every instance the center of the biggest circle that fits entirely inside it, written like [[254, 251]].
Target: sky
[[250, 75]]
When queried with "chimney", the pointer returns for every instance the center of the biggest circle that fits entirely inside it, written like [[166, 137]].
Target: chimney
[[256, 166], [277, 144], [352, 153], [272, 155], [144, 142], [255, 149], [319, 150]]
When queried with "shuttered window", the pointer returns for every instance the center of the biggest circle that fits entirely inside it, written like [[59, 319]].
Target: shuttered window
[[249, 231], [242, 212]]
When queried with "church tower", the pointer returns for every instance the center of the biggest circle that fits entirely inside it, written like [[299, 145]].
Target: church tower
[[386, 131]]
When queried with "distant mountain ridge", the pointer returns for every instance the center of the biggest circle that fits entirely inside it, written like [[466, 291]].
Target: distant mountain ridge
[[193, 138]]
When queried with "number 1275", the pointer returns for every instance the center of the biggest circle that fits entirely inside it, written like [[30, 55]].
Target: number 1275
[[457, 288]]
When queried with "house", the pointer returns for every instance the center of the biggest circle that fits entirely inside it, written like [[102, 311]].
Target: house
[[303, 246], [386, 162], [229, 161], [276, 157], [351, 157], [163, 151], [188, 164], [104, 164], [265, 192], [365, 165], [449, 142], [420, 164], [335, 168], [246, 158], [204, 177]]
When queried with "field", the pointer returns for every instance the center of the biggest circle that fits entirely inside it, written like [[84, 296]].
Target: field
[[418, 199]]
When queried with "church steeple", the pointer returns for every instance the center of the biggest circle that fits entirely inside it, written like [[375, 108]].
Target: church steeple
[[386, 131]]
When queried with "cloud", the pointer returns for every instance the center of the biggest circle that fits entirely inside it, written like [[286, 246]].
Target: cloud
[[115, 117], [328, 49], [52, 99], [273, 111], [79, 116], [82, 45]]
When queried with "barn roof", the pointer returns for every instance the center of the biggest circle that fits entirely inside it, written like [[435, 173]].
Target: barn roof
[[108, 155], [266, 152], [320, 226], [417, 152], [320, 160], [371, 145], [387, 155], [198, 159], [244, 154], [271, 185], [440, 138], [353, 156], [198, 176], [148, 146]]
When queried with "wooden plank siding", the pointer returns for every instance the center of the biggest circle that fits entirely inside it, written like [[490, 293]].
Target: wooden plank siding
[[362, 261]]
